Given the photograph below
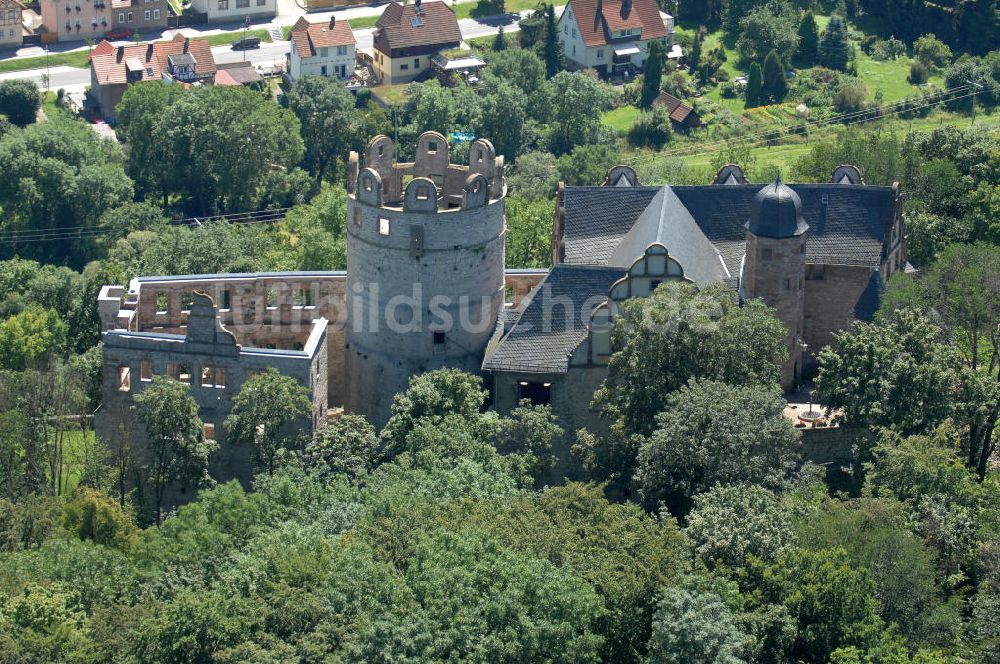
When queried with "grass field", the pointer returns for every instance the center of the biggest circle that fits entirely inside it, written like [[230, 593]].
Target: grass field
[[622, 119], [390, 95], [229, 37], [69, 59]]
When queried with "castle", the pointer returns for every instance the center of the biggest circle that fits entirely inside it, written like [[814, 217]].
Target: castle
[[426, 287]]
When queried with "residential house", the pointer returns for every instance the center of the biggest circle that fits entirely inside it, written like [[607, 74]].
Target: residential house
[[10, 23], [407, 37], [68, 20], [682, 116], [612, 36], [114, 68], [144, 17], [222, 11], [326, 48]]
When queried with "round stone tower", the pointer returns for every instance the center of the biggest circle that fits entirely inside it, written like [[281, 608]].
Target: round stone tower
[[425, 266], [774, 265]]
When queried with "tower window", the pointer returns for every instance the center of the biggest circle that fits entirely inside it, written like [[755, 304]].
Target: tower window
[[765, 254], [654, 284], [439, 338], [226, 299], [383, 226], [788, 284], [815, 272], [357, 216], [432, 147], [162, 303]]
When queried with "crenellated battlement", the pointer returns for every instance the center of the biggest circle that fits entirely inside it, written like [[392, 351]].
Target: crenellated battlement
[[429, 184]]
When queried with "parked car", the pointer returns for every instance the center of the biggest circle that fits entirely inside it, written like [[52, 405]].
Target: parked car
[[245, 43], [118, 34]]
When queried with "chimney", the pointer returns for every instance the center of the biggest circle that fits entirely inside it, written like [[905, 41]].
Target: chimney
[[187, 43], [626, 8], [333, 22], [120, 54]]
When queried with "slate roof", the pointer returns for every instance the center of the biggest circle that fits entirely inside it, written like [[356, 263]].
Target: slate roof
[[307, 36], [109, 63], [401, 27], [848, 230], [597, 19], [547, 331]]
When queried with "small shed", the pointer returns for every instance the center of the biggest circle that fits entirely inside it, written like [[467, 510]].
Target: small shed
[[682, 116]]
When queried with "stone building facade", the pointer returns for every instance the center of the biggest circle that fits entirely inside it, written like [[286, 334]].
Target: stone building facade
[[425, 266], [202, 353], [819, 254], [425, 287]]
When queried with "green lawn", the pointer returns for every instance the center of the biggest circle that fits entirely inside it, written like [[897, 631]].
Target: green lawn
[[622, 119], [70, 59], [363, 22], [390, 95], [229, 37]]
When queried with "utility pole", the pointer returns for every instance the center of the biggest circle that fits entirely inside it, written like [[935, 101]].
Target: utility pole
[[246, 26], [975, 86]]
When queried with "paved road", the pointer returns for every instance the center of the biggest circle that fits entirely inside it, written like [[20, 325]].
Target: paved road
[[75, 80]]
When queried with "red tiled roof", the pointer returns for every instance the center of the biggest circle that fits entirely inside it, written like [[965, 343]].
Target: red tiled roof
[[103, 48], [597, 19], [678, 110], [109, 66], [402, 27], [307, 36]]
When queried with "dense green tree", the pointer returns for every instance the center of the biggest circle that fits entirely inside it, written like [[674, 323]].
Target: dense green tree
[[694, 55], [834, 50], [577, 100], [830, 599], [267, 414], [346, 445], [314, 235], [710, 433], [773, 83], [652, 73], [149, 154], [503, 117], [118, 222], [431, 397], [682, 332], [16, 462], [223, 149], [529, 233], [329, 121], [587, 165], [770, 27], [20, 101], [932, 52], [733, 12], [808, 51], [32, 338], [875, 535], [177, 449], [500, 41], [729, 523], [895, 373], [695, 626], [755, 85], [67, 178], [534, 176], [552, 50], [91, 515], [523, 69]]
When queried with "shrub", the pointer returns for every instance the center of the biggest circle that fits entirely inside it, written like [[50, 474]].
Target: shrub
[[932, 52], [919, 73], [850, 98], [652, 130], [91, 515]]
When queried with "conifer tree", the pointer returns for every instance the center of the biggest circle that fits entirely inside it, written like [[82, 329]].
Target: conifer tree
[[552, 54], [500, 42], [774, 84], [652, 73], [808, 49], [754, 86], [833, 48]]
